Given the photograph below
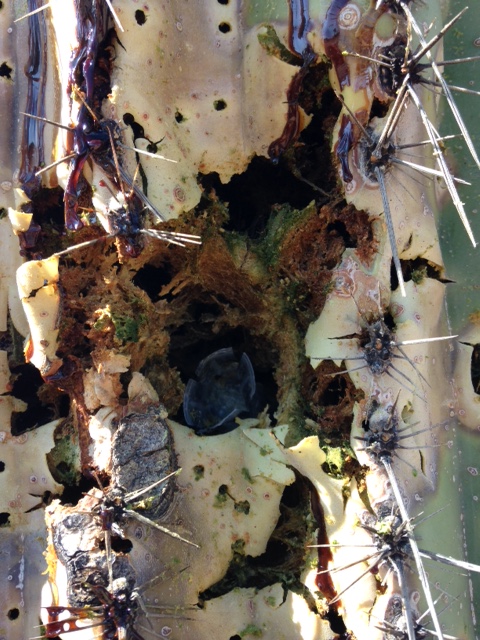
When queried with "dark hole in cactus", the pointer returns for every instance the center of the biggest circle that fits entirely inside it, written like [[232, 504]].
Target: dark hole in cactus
[[276, 553], [1, 4], [26, 385], [5, 71], [4, 519], [337, 624], [13, 614], [72, 492], [225, 2], [283, 559], [140, 17], [2, 466], [339, 228], [389, 321], [198, 471], [151, 279], [47, 205], [335, 392], [179, 117], [379, 109], [416, 270], [318, 388], [193, 341], [393, 276], [6, 342], [219, 105], [311, 158], [237, 637], [292, 495], [121, 545], [475, 368], [252, 194], [224, 27]]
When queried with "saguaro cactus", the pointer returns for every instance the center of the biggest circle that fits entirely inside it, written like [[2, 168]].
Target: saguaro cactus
[[230, 216]]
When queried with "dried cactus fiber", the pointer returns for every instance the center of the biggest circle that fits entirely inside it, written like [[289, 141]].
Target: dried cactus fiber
[[240, 348]]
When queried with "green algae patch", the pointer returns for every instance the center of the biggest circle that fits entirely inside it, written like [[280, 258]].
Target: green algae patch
[[251, 630]]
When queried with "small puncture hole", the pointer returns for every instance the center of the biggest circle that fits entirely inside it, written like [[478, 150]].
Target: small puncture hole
[[5, 71], [140, 17], [4, 519], [224, 27], [219, 105], [179, 117], [2, 466], [121, 545], [225, 2], [13, 614], [1, 4]]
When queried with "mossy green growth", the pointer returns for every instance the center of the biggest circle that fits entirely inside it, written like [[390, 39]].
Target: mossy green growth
[[265, 451], [272, 44], [419, 275], [126, 328], [198, 472], [246, 475], [283, 219], [242, 507], [64, 460], [294, 294], [251, 630], [239, 546], [334, 465], [220, 499], [145, 504], [296, 432]]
